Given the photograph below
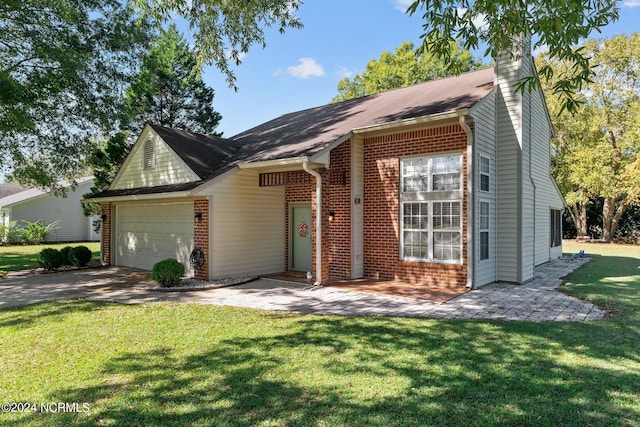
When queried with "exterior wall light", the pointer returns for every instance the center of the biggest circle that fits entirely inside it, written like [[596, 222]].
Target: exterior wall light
[[332, 216], [198, 216]]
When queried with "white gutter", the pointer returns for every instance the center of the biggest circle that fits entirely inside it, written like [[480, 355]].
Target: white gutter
[[271, 163], [318, 178], [470, 204], [136, 197]]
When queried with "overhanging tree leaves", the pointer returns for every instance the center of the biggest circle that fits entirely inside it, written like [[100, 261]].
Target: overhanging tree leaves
[[598, 148], [402, 68], [558, 25], [225, 30], [62, 67]]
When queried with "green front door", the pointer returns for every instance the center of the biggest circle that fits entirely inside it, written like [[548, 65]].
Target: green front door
[[301, 238]]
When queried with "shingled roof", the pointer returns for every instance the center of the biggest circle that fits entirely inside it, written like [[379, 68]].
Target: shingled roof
[[204, 154], [307, 132]]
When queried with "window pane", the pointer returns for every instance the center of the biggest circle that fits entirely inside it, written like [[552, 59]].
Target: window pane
[[484, 165], [446, 246], [484, 245], [484, 182], [446, 173], [446, 215], [415, 175], [484, 215]]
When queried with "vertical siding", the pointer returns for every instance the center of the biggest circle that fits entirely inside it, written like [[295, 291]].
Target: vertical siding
[[509, 177], [357, 211], [248, 235], [169, 168], [73, 225], [484, 117]]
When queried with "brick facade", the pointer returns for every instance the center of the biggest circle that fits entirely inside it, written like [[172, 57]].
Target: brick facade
[[382, 156], [201, 237], [106, 233]]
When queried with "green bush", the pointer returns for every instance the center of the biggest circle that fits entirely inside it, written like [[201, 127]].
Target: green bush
[[50, 258], [10, 233], [167, 272], [36, 232], [80, 256], [66, 255]]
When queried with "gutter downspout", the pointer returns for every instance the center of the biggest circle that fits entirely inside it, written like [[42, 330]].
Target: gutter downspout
[[318, 179], [471, 280]]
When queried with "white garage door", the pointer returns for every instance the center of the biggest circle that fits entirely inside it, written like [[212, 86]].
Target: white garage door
[[146, 234]]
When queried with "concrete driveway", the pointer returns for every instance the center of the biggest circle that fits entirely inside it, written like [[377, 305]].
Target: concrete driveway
[[535, 301]]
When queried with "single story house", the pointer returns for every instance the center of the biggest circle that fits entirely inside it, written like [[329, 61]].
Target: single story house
[[444, 183], [33, 204]]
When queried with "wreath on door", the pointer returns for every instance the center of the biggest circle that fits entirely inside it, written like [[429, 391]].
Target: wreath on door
[[303, 229]]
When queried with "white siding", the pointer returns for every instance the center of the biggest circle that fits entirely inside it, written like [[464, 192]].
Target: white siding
[[485, 145], [73, 225], [247, 227], [169, 168], [547, 194], [527, 243], [509, 176], [357, 209]]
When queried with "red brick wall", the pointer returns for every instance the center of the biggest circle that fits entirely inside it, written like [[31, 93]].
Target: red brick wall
[[338, 199], [201, 237], [336, 235], [106, 232], [382, 206]]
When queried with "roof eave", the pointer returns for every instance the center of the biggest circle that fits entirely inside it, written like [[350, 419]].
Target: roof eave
[[412, 121], [139, 197]]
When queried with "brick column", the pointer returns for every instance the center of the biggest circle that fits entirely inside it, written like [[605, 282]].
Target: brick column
[[105, 250], [201, 236]]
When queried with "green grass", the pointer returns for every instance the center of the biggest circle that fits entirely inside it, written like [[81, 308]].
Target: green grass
[[13, 258], [198, 365]]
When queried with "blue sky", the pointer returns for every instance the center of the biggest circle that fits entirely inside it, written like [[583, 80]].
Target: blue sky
[[301, 68]]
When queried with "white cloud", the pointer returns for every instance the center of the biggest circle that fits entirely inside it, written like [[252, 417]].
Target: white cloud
[[402, 5], [344, 72], [632, 3], [307, 68], [479, 21]]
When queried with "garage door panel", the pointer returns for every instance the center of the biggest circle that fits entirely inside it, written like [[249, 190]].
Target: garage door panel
[[146, 234]]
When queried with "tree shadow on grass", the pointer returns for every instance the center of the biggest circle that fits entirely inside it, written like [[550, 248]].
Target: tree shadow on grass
[[611, 282], [366, 371], [26, 316]]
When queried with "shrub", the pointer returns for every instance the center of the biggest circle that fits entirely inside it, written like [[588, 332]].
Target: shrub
[[66, 255], [9, 233], [80, 256], [36, 232], [167, 272], [50, 258]]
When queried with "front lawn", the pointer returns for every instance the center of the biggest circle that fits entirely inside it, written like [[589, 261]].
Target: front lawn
[[198, 365], [23, 257]]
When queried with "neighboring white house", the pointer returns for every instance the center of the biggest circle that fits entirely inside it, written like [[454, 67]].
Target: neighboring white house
[[37, 205]]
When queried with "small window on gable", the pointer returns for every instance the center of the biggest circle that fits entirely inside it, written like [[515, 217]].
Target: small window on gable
[[149, 154], [485, 173]]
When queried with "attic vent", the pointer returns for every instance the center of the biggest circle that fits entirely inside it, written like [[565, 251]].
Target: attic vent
[[149, 154]]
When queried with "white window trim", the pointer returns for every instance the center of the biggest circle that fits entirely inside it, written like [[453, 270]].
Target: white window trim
[[484, 230], [480, 173], [430, 197]]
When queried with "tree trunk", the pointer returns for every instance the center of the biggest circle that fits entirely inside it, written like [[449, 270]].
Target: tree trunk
[[611, 216], [579, 215]]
